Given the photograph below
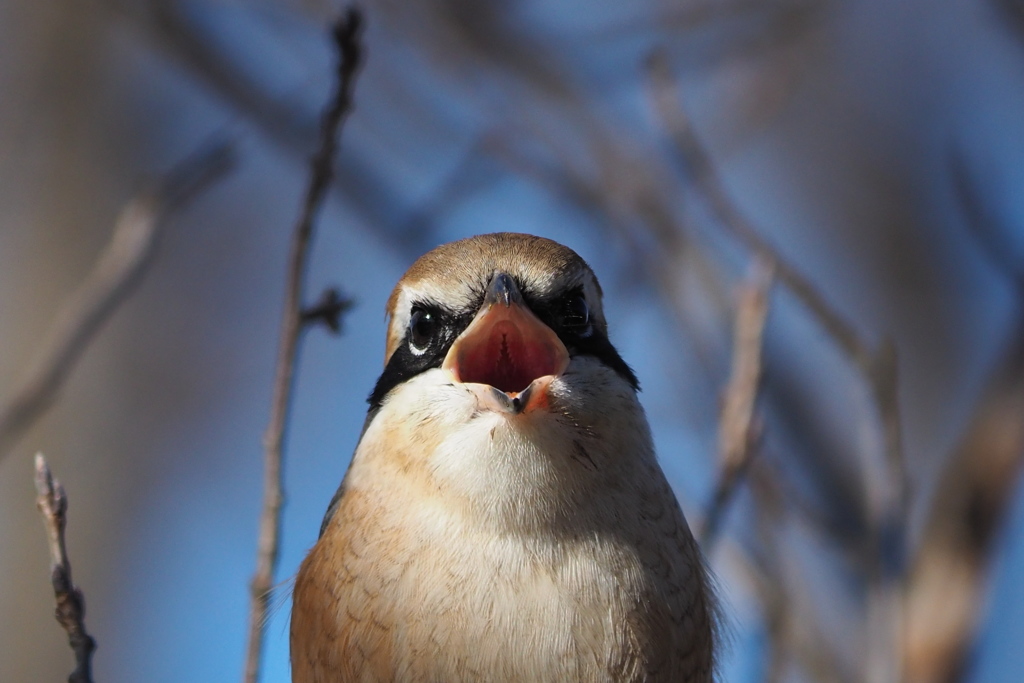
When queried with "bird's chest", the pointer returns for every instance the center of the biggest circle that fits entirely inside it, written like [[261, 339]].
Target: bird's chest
[[432, 599]]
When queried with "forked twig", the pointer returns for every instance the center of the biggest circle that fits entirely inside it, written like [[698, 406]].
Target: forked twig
[[114, 276], [53, 503], [347, 37]]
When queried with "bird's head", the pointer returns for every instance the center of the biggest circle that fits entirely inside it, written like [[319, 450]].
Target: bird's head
[[502, 315], [499, 381]]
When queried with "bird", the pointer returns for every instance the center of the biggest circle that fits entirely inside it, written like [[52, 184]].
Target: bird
[[504, 516]]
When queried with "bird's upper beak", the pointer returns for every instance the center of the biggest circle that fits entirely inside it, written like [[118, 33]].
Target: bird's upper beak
[[507, 346]]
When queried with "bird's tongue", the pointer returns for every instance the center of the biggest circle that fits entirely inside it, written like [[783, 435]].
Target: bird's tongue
[[508, 348]]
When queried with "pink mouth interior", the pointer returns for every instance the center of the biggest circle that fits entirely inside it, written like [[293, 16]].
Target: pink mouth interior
[[506, 359]]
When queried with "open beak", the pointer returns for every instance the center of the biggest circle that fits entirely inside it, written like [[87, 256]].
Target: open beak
[[508, 348]]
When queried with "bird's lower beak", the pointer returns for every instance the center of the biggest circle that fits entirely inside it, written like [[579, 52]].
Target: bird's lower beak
[[507, 347]]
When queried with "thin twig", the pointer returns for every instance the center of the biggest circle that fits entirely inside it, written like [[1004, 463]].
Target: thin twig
[[114, 276], [53, 503], [347, 37], [737, 433], [887, 511]]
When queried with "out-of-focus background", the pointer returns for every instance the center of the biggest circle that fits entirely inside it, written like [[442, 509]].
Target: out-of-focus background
[[878, 146]]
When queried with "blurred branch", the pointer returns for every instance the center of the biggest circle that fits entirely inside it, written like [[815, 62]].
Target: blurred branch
[[53, 504], [777, 20], [176, 28], [114, 276], [794, 634], [183, 32], [848, 543], [628, 196], [347, 34], [737, 433], [981, 223], [887, 509], [470, 176], [700, 169], [948, 578]]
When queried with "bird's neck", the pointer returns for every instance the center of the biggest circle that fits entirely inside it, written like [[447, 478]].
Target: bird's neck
[[522, 474]]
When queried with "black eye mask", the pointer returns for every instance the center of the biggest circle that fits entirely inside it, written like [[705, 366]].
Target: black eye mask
[[432, 330]]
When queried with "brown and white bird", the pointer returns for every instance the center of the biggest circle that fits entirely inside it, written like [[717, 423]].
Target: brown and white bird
[[504, 517]]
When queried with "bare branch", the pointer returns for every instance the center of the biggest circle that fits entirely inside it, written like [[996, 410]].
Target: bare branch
[[347, 37], [53, 504], [114, 276], [737, 433]]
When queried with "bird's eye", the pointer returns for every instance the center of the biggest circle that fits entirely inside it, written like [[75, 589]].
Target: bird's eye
[[576, 315], [422, 325]]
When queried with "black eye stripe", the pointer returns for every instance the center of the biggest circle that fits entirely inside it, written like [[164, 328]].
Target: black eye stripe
[[581, 338], [413, 357]]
